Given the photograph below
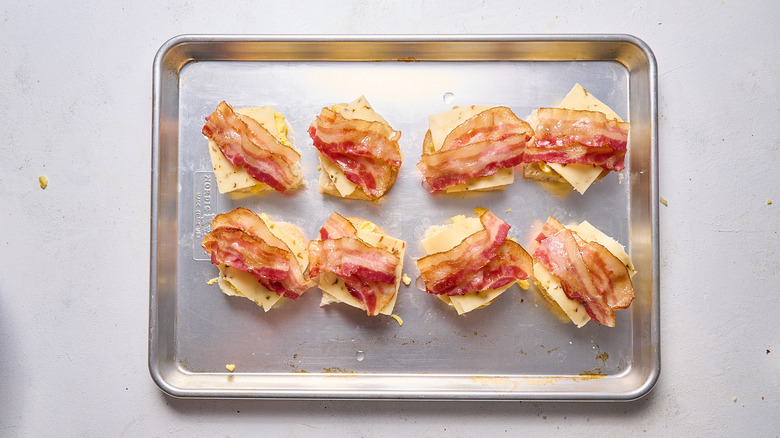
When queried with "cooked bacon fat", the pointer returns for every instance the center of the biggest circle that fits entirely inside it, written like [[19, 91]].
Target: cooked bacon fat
[[572, 136], [491, 140], [240, 239], [484, 260], [245, 143], [367, 152], [588, 272]]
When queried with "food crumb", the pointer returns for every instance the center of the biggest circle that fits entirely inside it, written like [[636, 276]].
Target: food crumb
[[397, 319], [767, 351], [212, 281], [734, 399], [407, 281], [768, 202], [663, 201], [45, 182], [230, 367], [508, 210]]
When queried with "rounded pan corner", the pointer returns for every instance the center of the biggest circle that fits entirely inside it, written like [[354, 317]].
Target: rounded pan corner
[[166, 387], [645, 385]]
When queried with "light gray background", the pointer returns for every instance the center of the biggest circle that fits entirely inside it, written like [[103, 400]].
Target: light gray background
[[75, 101]]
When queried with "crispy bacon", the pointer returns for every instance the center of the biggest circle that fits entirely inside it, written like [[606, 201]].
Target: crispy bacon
[[560, 254], [367, 152], [443, 272], [240, 239], [572, 136], [511, 263], [245, 143], [348, 256], [491, 140], [337, 226]]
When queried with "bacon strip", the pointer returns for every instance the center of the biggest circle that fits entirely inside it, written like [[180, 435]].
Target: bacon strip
[[337, 226], [561, 256], [252, 147], [444, 271], [511, 263], [245, 252], [240, 239], [608, 273], [572, 136], [491, 140], [375, 295], [347, 256], [367, 152]]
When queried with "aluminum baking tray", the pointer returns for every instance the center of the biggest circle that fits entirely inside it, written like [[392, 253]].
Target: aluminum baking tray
[[514, 349]]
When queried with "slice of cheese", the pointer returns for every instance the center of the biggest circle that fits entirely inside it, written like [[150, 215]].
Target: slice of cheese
[[234, 282], [357, 109], [441, 239], [442, 124], [232, 178], [553, 289], [552, 286], [581, 176], [333, 288]]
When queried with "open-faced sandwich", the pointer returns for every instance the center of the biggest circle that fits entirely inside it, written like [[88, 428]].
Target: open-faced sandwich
[[258, 258], [358, 264], [578, 142], [250, 151], [583, 271], [473, 148], [471, 261], [359, 152]]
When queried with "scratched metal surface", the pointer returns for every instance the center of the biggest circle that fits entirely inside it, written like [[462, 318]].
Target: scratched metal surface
[[515, 348]]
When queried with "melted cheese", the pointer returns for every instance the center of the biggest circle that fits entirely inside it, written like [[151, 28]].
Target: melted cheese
[[581, 176], [357, 109], [552, 286], [232, 178], [333, 288], [234, 282], [442, 124], [440, 239]]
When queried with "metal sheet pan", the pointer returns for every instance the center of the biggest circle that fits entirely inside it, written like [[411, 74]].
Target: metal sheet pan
[[515, 348]]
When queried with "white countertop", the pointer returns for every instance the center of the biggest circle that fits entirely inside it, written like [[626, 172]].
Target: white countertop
[[76, 91]]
